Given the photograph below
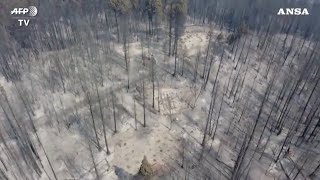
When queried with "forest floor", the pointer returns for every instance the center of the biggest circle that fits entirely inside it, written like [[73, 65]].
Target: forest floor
[[177, 129]]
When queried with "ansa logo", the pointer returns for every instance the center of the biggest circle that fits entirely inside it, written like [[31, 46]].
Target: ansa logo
[[293, 11]]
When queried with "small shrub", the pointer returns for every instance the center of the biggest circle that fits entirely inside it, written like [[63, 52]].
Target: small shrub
[[220, 37], [146, 168], [233, 37]]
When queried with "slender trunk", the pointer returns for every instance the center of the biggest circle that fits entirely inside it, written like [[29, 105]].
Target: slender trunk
[[114, 113], [144, 104], [117, 25], [217, 122], [207, 54], [49, 162], [153, 79], [170, 28], [245, 40], [102, 120], [300, 168], [93, 120], [208, 123], [315, 171], [158, 95], [307, 103], [267, 122], [175, 56], [94, 162], [209, 70], [240, 164], [313, 133], [135, 114], [264, 147], [287, 33], [126, 58], [309, 121]]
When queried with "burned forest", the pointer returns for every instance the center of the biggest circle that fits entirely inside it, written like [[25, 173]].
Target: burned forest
[[159, 89]]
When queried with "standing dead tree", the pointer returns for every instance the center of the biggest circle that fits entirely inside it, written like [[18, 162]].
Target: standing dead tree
[[89, 100]]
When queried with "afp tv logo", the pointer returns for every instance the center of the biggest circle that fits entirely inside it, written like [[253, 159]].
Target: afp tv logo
[[25, 14]]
